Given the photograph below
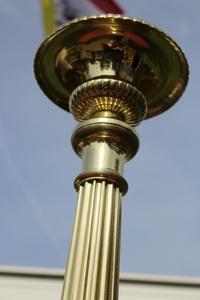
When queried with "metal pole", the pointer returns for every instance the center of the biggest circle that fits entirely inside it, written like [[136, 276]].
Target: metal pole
[[111, 72], [93, 266]]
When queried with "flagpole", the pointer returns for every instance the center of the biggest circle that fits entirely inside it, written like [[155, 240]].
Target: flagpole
[[111, 72], [48, 16]]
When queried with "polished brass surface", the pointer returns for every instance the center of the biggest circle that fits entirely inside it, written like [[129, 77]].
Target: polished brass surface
[[105, 145], [100, 156], [110, 177], [117, 47], [120, 136], [93, 265], [97, 96], [110, 72]]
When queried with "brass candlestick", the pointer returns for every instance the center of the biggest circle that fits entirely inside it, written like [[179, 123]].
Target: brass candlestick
[[111, 72]]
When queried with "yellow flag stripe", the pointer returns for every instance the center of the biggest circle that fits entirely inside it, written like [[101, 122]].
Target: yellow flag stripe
[[48, 12]]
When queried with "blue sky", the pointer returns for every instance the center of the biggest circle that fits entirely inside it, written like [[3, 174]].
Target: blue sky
[[161, 212]]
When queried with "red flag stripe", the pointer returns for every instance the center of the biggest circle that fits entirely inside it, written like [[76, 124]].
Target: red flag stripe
[[108, 6]]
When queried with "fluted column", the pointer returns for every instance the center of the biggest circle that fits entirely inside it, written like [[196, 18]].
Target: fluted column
[[104, 145], [93, 265]]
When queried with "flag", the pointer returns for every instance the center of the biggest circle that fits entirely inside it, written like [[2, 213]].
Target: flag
[[57, 12]]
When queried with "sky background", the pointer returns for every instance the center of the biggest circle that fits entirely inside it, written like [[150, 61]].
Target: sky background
[[161, 212]]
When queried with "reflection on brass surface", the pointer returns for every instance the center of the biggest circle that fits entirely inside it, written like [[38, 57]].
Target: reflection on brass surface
[[112, 46], [117, 180], [120, 136], [97, 96]]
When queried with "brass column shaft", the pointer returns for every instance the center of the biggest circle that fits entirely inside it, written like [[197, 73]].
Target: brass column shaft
[[93, 265]]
